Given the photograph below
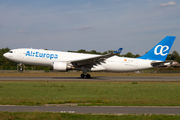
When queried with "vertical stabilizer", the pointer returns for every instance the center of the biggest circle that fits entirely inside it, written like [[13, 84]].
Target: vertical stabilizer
[[161, 50]]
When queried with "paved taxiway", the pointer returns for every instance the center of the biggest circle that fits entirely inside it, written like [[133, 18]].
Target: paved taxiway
[[119, 78], [95, 109]]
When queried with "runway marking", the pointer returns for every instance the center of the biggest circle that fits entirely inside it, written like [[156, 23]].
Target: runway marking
[[61, 111]]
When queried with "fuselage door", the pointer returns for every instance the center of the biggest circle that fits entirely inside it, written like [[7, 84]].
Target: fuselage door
[[135, 63], [19, 53]]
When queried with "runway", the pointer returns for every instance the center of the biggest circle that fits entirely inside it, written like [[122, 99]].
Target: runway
[[119, 78], [97, 110]]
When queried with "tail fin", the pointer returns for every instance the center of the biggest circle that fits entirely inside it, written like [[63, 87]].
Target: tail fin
[[161, 50]]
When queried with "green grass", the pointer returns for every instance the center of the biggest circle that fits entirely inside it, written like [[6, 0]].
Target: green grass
[[94, 93], [66, 116]]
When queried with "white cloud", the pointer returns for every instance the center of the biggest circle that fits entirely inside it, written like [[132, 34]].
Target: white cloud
[[167, 4], [82, 28]]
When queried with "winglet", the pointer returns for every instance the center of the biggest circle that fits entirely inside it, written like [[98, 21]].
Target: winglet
[[118, 51]]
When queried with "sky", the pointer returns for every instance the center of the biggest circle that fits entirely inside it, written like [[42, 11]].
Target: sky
[[101, 25]]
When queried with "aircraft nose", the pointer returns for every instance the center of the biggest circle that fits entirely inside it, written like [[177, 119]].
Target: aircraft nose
[[5, 55]]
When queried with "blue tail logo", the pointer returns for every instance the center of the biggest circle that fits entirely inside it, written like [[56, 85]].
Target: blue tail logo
[[161, 50]]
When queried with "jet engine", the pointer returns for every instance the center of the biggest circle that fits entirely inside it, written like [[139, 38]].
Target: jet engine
[[60, 66]]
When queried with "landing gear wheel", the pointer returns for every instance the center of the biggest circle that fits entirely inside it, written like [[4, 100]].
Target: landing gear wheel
[[88, 76], [82, 75]]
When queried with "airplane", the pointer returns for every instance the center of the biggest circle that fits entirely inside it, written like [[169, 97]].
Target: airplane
[[65, 61]]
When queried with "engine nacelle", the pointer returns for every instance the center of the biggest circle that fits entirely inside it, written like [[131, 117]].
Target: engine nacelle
[[60, 66]]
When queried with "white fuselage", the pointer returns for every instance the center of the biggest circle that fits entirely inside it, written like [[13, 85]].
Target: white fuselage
[[48, 57]]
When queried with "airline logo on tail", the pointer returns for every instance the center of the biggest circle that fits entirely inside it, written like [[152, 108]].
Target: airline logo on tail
[[162, 50]]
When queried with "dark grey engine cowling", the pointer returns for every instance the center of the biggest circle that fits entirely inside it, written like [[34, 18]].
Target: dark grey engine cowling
[[60, 66]]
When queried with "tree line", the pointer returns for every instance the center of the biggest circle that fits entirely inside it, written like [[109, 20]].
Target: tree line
[[6, 64]]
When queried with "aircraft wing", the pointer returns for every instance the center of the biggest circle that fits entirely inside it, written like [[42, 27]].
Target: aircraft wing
[[89, 62]]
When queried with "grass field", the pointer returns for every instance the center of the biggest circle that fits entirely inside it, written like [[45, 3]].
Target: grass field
[[66, 116], [93, 93]]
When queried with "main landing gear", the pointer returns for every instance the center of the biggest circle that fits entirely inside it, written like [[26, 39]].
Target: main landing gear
[[87, 75]]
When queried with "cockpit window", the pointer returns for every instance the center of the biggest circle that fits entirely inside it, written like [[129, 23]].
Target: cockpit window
[[10, 51]]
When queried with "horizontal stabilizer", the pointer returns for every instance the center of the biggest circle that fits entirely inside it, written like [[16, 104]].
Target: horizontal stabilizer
[[158, 64]]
